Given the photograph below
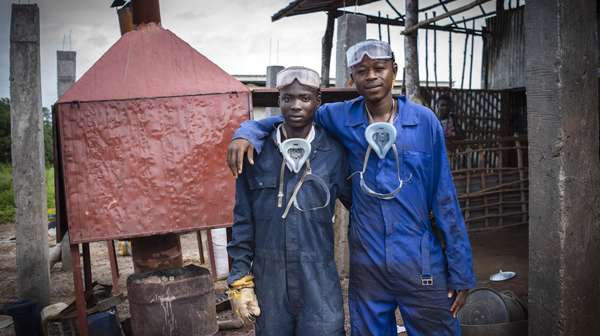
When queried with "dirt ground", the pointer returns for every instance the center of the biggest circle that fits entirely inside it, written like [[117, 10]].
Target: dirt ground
[[504, 249]]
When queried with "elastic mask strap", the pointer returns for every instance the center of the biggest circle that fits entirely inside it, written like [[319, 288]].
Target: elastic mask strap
[[280, 193]]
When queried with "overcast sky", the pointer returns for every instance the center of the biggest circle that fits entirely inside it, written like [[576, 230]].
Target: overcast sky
[[234, 34]]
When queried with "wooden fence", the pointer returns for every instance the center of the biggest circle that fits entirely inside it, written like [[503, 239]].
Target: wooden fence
[[485, 114], [491, 179]]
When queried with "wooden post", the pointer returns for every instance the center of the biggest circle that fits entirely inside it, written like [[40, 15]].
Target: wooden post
[[379, 24], [471, 61], [388, 29], [27, 138], [411, 56], [450, 60], [327, 43], [462, 79], [435, 56], [426, 55]]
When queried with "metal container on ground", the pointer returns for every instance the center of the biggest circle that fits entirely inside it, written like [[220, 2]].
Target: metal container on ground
[[491, 313], [170, 302]]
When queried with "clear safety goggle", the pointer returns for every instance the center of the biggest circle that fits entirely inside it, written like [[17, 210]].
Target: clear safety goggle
[[367, 190], [304, 76], [375, 49], [304, 197]]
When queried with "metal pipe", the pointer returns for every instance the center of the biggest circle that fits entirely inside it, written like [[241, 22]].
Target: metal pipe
[[125, 19], [156, 252], [146, 11]]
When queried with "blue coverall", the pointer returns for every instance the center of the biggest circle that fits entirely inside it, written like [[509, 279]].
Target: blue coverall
[[393, 252], [292, 259]]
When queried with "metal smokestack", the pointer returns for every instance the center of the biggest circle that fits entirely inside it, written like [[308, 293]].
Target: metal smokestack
[[125, 19], [146, 11]]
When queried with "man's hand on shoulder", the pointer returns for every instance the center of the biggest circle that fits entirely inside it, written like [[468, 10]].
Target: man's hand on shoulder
[[235, 155]]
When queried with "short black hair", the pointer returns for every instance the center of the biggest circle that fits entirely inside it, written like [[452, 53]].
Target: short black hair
[[446, 97]]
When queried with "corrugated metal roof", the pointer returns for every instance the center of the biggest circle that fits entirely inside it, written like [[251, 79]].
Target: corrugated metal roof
[[312, 6], [147, 63]]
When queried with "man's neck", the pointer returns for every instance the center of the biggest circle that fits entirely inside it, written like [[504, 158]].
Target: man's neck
[[301, 132], [380, 110]]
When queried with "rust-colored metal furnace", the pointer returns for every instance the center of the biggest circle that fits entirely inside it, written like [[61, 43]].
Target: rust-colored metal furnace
[[141, 143], [143, 138]]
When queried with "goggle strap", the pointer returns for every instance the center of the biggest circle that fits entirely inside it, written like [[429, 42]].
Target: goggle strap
[[280, 193], [324, 186]]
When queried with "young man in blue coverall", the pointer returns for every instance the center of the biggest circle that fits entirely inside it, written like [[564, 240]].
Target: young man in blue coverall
[[282, 239], [395, 259]]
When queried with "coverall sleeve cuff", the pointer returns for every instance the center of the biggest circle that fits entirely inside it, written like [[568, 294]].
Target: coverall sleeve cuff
[[235, 277], [254, 142]]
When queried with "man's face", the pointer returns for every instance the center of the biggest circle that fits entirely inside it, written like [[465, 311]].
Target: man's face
[[444, 108], [298, 104], [374, 79]]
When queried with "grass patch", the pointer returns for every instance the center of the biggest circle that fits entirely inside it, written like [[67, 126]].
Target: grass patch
[[7, 203]]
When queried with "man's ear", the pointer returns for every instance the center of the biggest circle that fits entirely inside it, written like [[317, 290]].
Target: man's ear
[[395, 66]]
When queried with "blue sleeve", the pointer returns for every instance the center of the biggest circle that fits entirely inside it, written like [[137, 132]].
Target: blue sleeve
[[449, 219], [241, 246], [324, 117], [256, 131]]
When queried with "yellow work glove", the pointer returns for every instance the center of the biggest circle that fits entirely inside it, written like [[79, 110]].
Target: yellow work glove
[[243, 300]]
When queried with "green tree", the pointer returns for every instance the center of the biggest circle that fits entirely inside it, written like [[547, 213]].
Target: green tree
[[4, 130], [48, 136]]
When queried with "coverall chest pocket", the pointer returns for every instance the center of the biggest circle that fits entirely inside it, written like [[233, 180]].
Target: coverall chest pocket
[[415, 172], [264, 196]]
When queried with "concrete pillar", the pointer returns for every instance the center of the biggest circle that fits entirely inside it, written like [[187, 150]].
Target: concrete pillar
[[351, 29], [65, 70], [411, 55], [564, 172], [28, 155], [271, 82]]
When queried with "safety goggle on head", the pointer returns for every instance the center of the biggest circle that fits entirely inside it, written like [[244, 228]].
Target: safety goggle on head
[[304, 76], [374, 49]]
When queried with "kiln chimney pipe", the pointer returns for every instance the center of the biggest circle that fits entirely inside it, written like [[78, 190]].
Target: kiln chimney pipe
[[125, 19], [146, 11]]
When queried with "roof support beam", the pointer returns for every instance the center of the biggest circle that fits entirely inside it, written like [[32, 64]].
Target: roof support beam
[[443, 16], [400, 23]]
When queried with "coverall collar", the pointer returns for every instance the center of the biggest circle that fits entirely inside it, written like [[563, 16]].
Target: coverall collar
[[358, 117], [319, 142]]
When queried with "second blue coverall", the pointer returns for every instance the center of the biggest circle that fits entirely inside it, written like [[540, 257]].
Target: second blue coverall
[[395, 259]]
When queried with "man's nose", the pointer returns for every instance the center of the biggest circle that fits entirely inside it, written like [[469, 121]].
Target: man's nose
[[296, 105], [371, 75]]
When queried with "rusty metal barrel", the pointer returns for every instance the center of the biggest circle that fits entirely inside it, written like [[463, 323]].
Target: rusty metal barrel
[[172, 302]]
